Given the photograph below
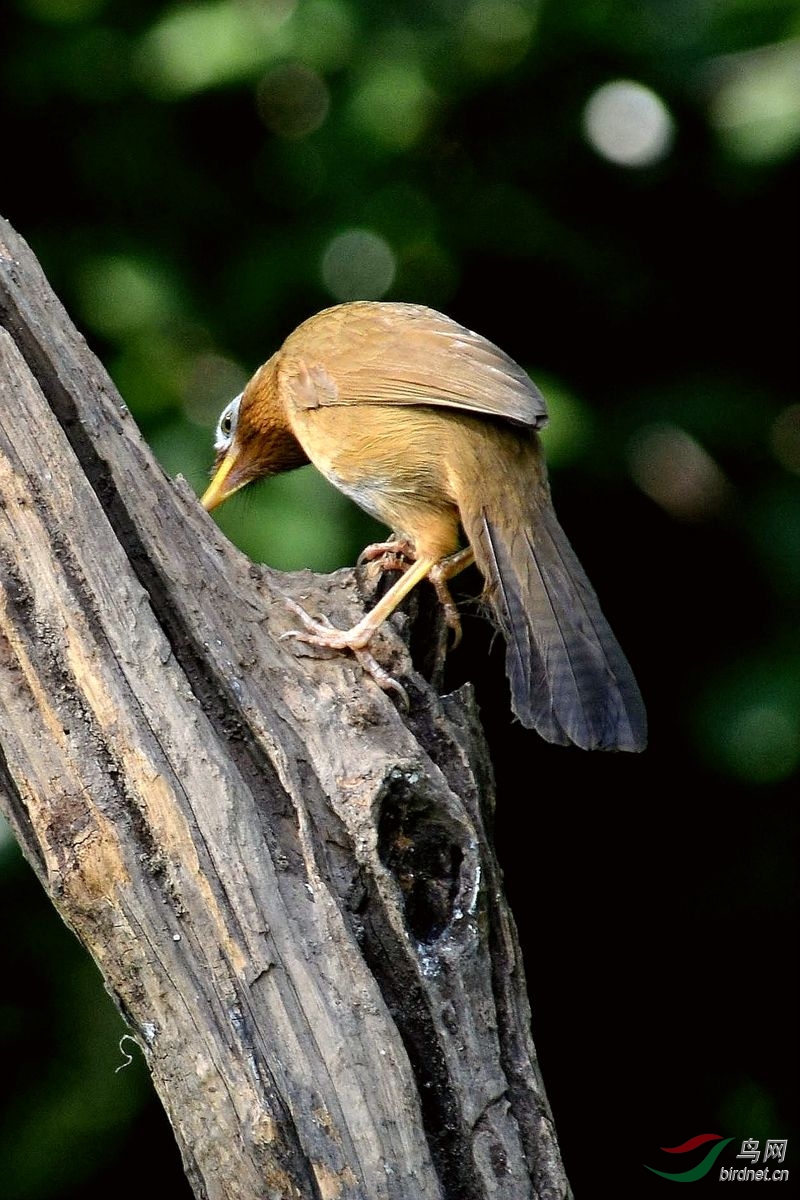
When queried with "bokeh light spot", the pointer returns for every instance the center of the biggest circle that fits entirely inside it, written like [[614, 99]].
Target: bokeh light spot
[[324, 33], [749, 721], [119, 294], [628, 124], [393, 103], [674, 470], [762, 742], [293, 100], [199, 46], [785, 437], [755, 104], [358, 265], [497, 34]]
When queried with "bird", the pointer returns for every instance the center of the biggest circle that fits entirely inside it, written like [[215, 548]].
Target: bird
[[434, 430]]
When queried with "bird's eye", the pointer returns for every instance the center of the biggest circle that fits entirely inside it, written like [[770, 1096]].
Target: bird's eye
[[226, 426]]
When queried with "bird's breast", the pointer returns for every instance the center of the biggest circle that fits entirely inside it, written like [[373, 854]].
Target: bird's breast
[[391, 460], [370, 450]]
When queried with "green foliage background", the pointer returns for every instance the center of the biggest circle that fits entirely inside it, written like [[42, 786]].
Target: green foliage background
[[196, 179]]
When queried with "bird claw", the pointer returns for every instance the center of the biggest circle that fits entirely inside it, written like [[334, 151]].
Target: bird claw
[[320, 629], [321, 632], [452, 618], [384, 680], [397, 551]]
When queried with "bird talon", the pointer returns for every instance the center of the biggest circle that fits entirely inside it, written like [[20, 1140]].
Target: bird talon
[[324, 636], [320, 626], [389, 562], [453, 622], [381, 676], [397, 550], [321, 632], [439, 577]]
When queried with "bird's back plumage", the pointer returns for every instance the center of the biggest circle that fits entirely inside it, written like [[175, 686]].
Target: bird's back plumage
[[404, 354]]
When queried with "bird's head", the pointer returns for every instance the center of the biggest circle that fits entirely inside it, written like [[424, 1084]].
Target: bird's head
[[253, 438]]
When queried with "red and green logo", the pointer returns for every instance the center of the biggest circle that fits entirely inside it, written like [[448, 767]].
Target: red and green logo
[[699, 1169]]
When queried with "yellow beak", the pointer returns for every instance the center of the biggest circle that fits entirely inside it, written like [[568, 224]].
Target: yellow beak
[[219, 489]]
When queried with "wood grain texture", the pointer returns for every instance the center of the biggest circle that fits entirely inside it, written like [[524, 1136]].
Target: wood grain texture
[[286, 882]]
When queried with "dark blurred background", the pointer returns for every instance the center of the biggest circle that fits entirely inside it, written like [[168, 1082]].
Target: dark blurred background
[[609, 191]]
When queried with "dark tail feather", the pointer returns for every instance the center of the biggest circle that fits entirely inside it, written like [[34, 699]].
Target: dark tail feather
[[569, 678]]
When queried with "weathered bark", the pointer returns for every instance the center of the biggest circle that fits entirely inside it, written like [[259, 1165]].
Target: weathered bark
[[286, 882]]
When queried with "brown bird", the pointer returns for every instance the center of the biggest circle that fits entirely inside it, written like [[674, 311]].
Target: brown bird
[[433, 430]]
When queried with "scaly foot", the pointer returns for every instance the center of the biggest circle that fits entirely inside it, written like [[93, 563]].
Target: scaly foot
[[439, 575], [322, 633], [395, 555]]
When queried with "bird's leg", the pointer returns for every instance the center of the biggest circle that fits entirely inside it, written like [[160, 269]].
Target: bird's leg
[[439, 574], [397, 553], [322, 633], [363, 656]]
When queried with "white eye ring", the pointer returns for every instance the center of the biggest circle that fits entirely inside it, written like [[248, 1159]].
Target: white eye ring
[[226, 425]]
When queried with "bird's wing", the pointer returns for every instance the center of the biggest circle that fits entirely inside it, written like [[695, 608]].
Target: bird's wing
[[381, 353]]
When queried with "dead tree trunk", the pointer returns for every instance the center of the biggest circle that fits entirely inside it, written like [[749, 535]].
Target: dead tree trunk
[[287, 883]]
